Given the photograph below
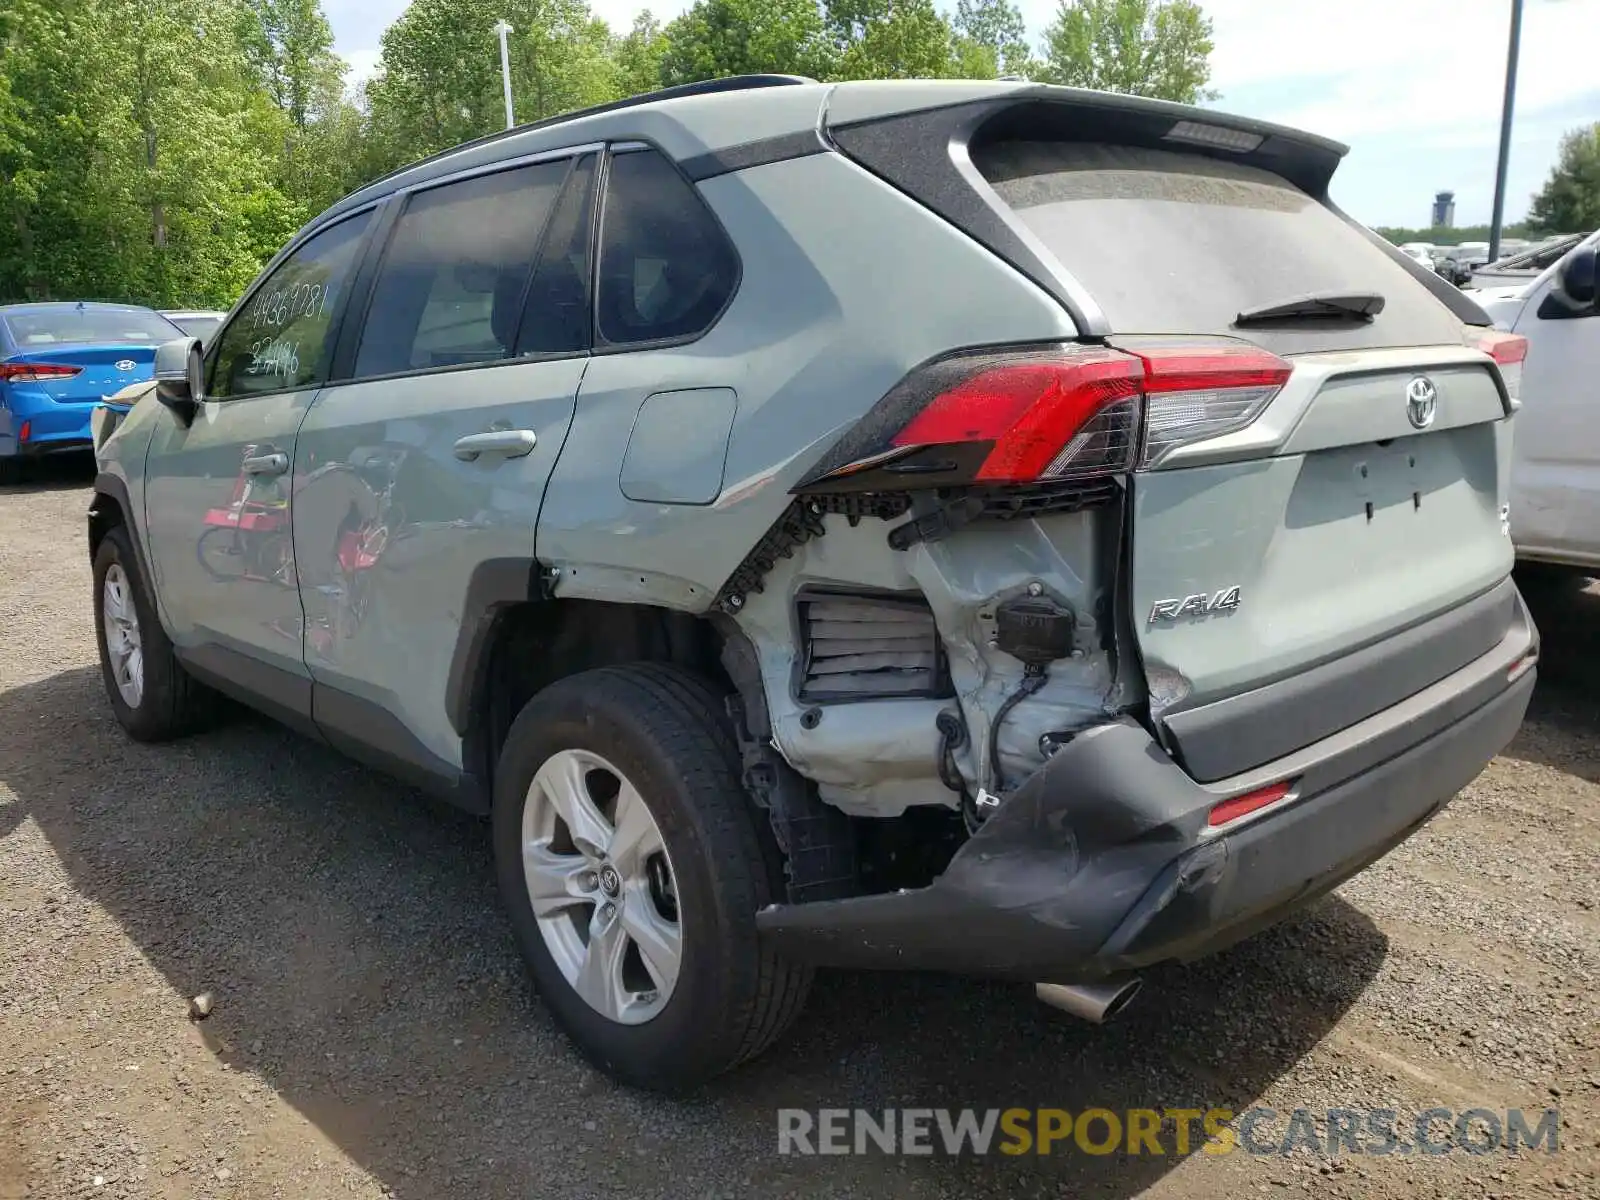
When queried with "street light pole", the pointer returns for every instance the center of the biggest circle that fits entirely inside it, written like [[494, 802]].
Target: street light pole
[[1505, 130], [502, 28]]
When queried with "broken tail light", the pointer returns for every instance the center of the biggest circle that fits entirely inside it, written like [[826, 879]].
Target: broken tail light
[[1052, 413]]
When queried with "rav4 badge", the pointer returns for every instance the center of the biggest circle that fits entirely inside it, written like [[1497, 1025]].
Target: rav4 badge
[[1198, 605]]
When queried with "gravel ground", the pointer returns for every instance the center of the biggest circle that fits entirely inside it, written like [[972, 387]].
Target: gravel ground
[[373, 1033]]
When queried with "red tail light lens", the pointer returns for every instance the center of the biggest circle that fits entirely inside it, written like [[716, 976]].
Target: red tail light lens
[[1036, 415], [17, 372], [1507, 349], [1058, 415], [1239, 806]]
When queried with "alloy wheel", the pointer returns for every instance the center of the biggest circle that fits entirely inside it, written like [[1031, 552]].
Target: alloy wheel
[[124, 645], [602, 886]]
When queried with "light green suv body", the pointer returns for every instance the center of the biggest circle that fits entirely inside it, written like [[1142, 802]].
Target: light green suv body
[[924, 483]]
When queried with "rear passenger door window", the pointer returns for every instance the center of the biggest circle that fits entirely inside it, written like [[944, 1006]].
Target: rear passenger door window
[[455, 275], [667, 269]]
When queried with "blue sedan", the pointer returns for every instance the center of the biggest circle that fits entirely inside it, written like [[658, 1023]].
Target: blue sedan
[[57, 362]]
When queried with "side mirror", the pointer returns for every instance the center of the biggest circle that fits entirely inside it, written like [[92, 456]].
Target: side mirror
[[1577, 275], [180, 377]]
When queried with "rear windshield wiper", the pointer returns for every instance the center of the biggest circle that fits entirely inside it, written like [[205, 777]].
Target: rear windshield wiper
[[1360, 305]]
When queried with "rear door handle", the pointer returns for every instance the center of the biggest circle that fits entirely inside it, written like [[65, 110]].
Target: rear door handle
[[266, 464], [507, 443]]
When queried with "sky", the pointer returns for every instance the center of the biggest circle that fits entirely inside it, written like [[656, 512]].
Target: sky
[[1414, 87]]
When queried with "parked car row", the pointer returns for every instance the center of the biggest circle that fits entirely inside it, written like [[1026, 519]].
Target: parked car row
[[1468, 265]]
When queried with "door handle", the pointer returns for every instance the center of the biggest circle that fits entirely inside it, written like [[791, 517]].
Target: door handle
[[507, 443], [266, 464]]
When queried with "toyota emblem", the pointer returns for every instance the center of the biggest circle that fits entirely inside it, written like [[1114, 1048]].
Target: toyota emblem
[[1422, 401], [126, 364]]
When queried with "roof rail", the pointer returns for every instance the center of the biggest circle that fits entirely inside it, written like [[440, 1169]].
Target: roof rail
[[704, 87]]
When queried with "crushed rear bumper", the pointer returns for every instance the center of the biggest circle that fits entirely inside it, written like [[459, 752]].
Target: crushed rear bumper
[[1103, 862]]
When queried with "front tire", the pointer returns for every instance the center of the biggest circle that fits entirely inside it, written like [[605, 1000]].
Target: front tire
[[630, 866], [152, 695]]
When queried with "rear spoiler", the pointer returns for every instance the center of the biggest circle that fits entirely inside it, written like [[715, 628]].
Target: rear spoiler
[[926, 153]]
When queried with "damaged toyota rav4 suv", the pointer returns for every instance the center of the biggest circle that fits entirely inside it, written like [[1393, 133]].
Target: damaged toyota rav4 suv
[[976, 527]]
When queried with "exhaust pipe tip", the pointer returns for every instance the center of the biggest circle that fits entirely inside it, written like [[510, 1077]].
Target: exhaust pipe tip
[[1096, 1003]]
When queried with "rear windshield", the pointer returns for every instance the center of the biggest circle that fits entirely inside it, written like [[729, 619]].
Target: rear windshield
[[80, 326], [1167, 242]]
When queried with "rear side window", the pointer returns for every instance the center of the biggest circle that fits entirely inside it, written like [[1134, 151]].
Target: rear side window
[[455, 274], [279, 339], [1167, 242], [666, 267]]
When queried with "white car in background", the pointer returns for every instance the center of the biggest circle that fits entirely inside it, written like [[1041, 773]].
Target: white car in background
[[1420, 252], [200, 323], [1555, 473]]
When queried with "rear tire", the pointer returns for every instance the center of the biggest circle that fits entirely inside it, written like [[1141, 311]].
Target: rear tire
[[152, 695], [662, 732]]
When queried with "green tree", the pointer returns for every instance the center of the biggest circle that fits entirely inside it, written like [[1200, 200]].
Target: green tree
[[715, 38], [890, 39], [994, 26], [1159, 48], [289, 45], [1446, 235], [1569, 202], [438, 80], [639, 55], [132, 156]]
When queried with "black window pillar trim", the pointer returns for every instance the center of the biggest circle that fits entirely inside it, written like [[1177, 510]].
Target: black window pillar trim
[[495, 585]]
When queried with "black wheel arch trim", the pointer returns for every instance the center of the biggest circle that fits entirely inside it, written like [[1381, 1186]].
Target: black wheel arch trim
[[111, 487], [495, 585]]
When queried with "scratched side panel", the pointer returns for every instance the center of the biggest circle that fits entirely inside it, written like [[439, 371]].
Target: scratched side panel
[[846, 285]]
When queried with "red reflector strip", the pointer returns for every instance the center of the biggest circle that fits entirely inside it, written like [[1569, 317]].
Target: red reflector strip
[[36, 372], [1519, 667], [1238, 806], [25, 431], [1507, 349]]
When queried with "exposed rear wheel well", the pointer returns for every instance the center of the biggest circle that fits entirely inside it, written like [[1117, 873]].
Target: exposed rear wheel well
[[534, 644]]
